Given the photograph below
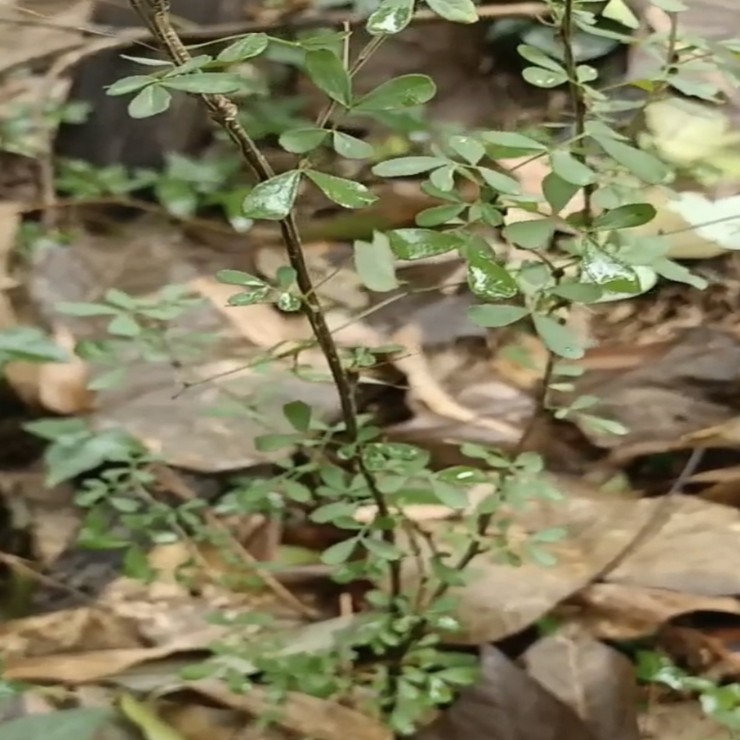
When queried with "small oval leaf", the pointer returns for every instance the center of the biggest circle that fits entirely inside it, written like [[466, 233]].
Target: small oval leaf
[[273, 199]]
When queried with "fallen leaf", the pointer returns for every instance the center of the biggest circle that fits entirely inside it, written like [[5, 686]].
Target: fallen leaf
[[63, 632], [306, 716], [63, 31], [591, 678], [618, 611], [668, 396], [506, 704], [94, 665], [694, 552], [63, 385], [424, 387]]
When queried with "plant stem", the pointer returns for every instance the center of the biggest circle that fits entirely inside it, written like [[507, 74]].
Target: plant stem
[[577, 98], [156, 15]]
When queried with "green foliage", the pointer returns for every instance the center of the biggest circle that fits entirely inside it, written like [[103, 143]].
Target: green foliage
[[138, 329], [345, 468], [28, 344], [720, 702]]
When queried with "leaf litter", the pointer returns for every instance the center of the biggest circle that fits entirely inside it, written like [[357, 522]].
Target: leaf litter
[[452, 385]]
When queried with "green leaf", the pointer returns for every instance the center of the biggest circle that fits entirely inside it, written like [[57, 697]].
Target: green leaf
[[544, 78], [406, 91], [191, 65], [444, 178], [288, 302], [381, 549], [568, 168], [557, 338], [237, 277], [286, 276], [259, 295], [486, 278], [625, 217], [641, 164], [578, 292], [339, 553], [449, 495], [512, 140], [67, 724], [406, 166], [151, 101], [439, 214], [327, 72], [558, 192], [492, 317], [68, 459], [530, 234], [274, 442], [346, 193], [29, 344], [129, 84], [671, 270], [470, 149], [537, 56], [274, 198], [375, 264], [302, 140], [298, 414], [457, 11], [351, 147], [390, 17], [111, 379], [124, 325], [205, 83], [414, 244], [500, 182], [609, 272], [251, 45], [333, 511]]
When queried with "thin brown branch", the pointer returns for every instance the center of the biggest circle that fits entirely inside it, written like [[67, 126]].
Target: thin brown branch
[[155, 13]]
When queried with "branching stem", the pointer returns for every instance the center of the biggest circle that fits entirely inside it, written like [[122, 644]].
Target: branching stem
[[156, 15]]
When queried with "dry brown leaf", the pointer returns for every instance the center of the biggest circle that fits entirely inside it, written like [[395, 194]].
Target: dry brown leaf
[[694, 552], [55, 32], [66, 631], [63, 385], [197, 722], [22, 376], [306, 716], [54, 520], [425, 388], [618, 611], [594, 680], [506, 704], [95, 665], [669, 396], [726, 434]]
